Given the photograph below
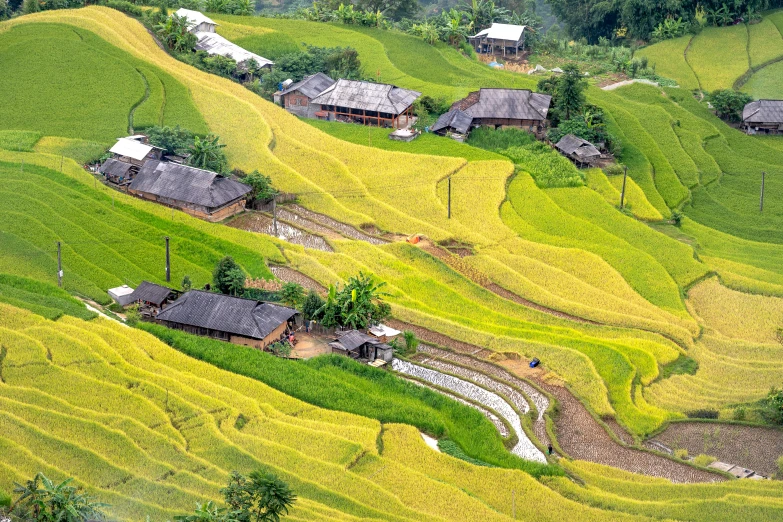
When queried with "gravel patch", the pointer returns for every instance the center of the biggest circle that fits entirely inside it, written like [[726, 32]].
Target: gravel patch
[[524, 447], [751, 447], [346, 230], [255, 222]]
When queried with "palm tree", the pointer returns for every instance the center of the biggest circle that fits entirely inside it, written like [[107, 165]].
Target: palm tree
[[207, 153]]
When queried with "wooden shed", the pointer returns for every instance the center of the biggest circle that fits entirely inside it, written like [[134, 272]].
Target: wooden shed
[[763, 117], [240, 321], [358, 345], [503, 37], [378, 104], [578, 150], [200, 193]]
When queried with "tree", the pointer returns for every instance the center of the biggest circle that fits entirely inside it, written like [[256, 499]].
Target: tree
[[175, 140], [292, 294], [186, 283], [207, 153], [261, 185], [569, 93], [42, 500], [228, 277], [175, 33], [357, 305], [772, 406], [729, 103], [30, 6], [132, 314], [311, 305], [261, 497], [394, 9]]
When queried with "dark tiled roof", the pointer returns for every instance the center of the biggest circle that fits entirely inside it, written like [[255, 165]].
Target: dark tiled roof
[[454, 119], [151, 293], [354, 339], [187, 184], [311, 86], [763, 111], [245, 317], [368, 96], [114, 167], [515, 104], [570, 144]]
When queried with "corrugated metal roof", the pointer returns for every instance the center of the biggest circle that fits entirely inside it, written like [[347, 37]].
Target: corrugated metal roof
[[353, 339], [113, 167], [516, 104], [131, 148], [187, 184], [454, 119], [213, 43], [151, 293], [245, 317], [121, 294], [571, 144], [194, 17], [379, 97], [763, 111], [311, 86], [502, 32]]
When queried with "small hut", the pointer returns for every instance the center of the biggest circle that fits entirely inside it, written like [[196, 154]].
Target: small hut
[[763, 117], [578, 150], [358, 345], [503, 36], [152, 298]]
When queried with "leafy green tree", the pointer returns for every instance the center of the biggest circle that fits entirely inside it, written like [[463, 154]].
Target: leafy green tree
[[31, 6], [207, 153], [772, 406], [175, 34], [569, 94], [260, 497], [261, 185], [221, 65], [186, 283], [729, 103], [228, 277], [175, 140], [292, 294], [208, 512], [132, 314], [329, 312], [357, 305], [427, 30], [41, 500], [311, 305]]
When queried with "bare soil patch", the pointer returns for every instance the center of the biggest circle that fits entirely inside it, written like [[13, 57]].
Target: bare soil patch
[[752, 447], [289, 275]]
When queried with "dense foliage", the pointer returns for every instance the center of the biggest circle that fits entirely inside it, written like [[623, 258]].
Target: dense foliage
[[357, 304], [228, 277], [43, 500], [729, 103]]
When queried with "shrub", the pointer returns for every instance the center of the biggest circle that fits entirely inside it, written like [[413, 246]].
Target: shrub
[[739, 413], [772, 406], [702, 414], [132, 315], [703, 460], [681, 453], [729, 103], [124, 6], [411, 342]]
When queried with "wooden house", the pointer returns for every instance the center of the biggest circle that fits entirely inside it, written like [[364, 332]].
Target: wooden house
[[503, 37], [368, 103], [298, 97], [497, 108], [763, 117], [578, 150], [152, 298], [200, 193], [135, 150], [357, 345], [240, 321]]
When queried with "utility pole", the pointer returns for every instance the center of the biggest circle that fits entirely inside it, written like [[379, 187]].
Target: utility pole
[[61, 163], [59, 265], [622, 194], [274, 215], [168, 261], [513, 504], [449, 197], [761, 201]]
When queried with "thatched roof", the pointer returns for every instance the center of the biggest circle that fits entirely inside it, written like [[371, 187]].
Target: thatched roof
[[245, 317], [763, 111], [575, 146], [187, 184], [454, 119], [378, 97], [311, 86], [515, 104]]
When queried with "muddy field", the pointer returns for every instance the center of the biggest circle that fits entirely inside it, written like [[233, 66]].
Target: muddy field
[[751, 447]]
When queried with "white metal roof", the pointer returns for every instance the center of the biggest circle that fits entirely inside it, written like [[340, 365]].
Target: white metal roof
[[382, 330], [503, 32], [195, 18], [131, 148], [213, 44]]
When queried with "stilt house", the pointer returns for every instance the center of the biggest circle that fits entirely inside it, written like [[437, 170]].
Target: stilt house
[[503, 37], [578, 150], [377, 104]]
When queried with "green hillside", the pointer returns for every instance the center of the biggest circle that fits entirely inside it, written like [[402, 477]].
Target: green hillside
[[610, 300]]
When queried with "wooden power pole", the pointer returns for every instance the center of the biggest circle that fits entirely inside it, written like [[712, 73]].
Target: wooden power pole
[[625, 178]]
